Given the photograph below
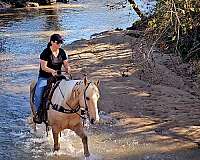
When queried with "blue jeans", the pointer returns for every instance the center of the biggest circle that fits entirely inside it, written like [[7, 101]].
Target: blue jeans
[[39, 90]]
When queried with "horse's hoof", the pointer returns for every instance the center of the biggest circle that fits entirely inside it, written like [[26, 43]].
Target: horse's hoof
[[87, 158], [56, 149], [55, 153]]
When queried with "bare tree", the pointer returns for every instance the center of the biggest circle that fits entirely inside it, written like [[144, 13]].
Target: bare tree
[[137, 10]]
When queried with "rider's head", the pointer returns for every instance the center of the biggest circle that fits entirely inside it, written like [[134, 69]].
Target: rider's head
[[56, 40]]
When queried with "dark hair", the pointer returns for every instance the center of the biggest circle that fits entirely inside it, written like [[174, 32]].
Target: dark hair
[[56, 38], [48, 45]]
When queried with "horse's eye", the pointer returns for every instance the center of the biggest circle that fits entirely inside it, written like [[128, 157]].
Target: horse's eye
[[87, 98]]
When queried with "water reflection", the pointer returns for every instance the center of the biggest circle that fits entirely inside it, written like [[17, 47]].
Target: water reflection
[[52, 20], [28, 30]]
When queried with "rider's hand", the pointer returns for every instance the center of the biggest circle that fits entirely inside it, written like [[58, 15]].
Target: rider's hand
[[54, 73], [68, 70]]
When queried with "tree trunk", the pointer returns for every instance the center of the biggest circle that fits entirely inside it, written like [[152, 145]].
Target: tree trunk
[[137, 10]]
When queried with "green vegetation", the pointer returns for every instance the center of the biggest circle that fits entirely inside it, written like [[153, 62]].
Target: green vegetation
[[175, 24]]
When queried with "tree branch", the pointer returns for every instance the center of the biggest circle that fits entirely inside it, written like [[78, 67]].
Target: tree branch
[[137, 10]]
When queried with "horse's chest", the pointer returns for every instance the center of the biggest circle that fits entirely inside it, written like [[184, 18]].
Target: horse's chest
[[63, 121]]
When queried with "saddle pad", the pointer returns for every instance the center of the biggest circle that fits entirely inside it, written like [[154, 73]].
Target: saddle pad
[[66, 88]]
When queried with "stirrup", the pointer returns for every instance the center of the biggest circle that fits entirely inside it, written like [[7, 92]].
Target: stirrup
[[37, 120]]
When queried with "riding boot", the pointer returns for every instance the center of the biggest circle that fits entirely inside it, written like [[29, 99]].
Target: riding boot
[[38, 118]]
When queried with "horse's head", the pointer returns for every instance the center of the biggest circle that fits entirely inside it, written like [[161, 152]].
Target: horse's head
[[89, 97]]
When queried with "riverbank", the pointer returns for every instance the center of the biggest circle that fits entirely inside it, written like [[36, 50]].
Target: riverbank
[[154, 99]]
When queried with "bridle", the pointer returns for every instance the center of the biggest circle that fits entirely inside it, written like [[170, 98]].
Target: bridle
[[85, 98]]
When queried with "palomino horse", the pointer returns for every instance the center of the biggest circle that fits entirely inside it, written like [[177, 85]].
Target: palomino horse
[[70, 96]]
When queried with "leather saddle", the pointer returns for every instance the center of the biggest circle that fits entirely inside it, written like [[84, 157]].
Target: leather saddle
[[52, 84]]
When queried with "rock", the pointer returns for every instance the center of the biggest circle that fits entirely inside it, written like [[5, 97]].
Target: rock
[[32, 4], [44, 2], [106, 118], [4, 5], [19, 4], [64, 1]]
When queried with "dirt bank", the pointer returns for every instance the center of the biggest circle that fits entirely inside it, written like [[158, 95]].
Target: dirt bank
[[155, 99]]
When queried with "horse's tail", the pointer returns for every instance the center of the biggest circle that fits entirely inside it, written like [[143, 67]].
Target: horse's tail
[[32, 90]]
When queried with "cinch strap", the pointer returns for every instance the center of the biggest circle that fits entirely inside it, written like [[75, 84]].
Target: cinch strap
[[64, 110]]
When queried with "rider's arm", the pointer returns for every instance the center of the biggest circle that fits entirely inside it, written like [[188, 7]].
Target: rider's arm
[[66, 66], [44, 67]]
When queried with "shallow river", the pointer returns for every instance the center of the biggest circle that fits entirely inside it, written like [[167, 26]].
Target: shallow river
[[23, 35]]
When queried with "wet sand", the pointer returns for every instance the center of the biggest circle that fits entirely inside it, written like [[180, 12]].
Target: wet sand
[[160, 109]]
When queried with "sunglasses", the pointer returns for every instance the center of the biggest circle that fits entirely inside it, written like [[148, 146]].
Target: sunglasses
[[59, 42]]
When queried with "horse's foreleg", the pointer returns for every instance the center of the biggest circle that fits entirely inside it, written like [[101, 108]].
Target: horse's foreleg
[[85, 145], [34, 127], [56, 140], [80, 132]]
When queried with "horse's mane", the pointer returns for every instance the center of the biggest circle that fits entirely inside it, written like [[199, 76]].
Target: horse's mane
[[80, 87]]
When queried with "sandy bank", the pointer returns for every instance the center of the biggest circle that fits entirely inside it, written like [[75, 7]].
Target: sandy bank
[[147, 98]]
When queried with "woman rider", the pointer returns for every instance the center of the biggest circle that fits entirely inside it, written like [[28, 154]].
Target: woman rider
[[51, 60]]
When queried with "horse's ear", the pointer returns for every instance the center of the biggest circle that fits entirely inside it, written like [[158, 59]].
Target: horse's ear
[[85, 81], [97, 83]]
